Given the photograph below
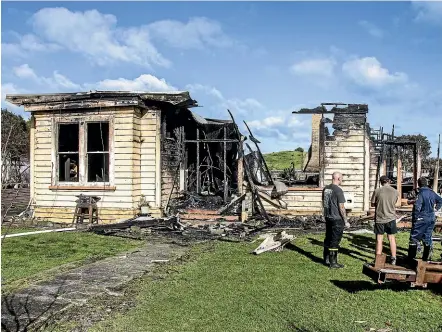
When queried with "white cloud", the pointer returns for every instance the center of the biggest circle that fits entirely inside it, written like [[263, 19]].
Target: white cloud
[[428, 11], [236, 105], [95, 35], [372, 29], [281, 127], [56, 82], [266, 123], [242, 106], [294, 122], [368, 72], [314, 67], [9, 88], [24, 71], [144, 82], [27, 43], [98, 37], [59, 80], [206, 89], [196, 33]]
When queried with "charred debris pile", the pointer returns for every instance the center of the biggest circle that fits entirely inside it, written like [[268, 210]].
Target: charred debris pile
[[175, 229]]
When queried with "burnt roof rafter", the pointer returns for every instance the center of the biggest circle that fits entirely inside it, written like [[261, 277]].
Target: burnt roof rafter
[[337, 108]]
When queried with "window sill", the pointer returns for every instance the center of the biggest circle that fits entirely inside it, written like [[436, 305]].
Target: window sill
[[304, 189], [84, 188]]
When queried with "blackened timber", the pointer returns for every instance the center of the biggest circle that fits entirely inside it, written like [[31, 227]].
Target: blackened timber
[[249, 177], [415, 166], [351, 108], [198, 175], [226, 191], [213, 140], [254, 140], [399, 143]]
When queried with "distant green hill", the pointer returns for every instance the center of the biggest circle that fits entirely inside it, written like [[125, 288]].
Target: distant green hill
[[282, 159]]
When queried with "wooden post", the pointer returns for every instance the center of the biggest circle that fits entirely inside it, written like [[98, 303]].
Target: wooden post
[[384, 166], [240, 175], [198, 175], [32, 162], [415, 174], [436, 169], [399, 176], [419, 161], [226, 190]]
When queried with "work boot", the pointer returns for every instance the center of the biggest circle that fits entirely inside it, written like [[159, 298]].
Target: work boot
[[334, 260], [326, 256], [393, 260], [412, 251], [428, 250]]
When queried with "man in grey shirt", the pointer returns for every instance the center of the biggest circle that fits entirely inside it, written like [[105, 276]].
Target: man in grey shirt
[[384, 200]]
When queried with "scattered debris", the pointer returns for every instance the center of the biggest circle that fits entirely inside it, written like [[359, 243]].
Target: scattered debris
[[160, 261], [274, 242], [39, 232]]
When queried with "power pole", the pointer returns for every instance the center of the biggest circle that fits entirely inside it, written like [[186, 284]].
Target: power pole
[[436, 169]]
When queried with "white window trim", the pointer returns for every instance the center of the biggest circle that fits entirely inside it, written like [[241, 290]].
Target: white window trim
[[82, 167]]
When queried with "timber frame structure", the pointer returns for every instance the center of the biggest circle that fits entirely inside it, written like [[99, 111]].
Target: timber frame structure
[[361, 154], [124, 147]]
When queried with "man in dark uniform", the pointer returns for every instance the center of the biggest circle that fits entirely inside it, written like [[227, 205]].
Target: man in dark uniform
[[335, 220], [423, 220]]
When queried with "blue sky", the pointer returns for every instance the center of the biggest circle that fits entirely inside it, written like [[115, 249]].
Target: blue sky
[[262, 60]]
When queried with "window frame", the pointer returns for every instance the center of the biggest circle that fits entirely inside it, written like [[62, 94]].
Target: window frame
[[82, 152]]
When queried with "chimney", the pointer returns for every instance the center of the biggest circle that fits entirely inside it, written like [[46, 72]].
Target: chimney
[[314, 161]]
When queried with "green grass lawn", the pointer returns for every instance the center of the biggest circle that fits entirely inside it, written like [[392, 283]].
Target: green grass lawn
[[31, 257], [283, 159], [225, 288]]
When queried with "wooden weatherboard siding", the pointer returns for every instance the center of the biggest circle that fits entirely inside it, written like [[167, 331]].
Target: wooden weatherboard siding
[[132, 172], [299, 202], [346, 152], [149, 135]]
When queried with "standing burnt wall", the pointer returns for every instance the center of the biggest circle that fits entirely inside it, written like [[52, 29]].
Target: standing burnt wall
[[173, 123], [345, 152]]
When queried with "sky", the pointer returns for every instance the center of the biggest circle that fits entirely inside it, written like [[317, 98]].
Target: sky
[[261, 60]]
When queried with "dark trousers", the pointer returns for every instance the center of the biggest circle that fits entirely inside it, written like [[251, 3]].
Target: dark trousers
[[334, 229], [422, 230]]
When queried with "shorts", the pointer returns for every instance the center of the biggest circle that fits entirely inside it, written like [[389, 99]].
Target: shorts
[[381, 228]]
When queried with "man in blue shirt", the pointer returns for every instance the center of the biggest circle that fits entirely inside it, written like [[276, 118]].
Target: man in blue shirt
[[424, 218]]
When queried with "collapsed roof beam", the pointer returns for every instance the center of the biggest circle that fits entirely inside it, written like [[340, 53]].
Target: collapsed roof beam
[[349, 109]]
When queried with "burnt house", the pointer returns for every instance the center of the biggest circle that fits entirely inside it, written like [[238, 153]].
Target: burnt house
[[342, 140], [125, 148]]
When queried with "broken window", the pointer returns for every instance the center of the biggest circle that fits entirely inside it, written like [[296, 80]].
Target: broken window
[[68, 152], [83, 151], [97, 154]]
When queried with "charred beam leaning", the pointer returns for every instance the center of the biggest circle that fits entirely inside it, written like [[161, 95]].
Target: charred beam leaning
[[248, 173], [254, 140]]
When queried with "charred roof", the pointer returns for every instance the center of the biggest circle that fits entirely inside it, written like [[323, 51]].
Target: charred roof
[[54, 101], [337, 108]]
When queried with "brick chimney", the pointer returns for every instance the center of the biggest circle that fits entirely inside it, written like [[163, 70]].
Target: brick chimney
[[314, 161]]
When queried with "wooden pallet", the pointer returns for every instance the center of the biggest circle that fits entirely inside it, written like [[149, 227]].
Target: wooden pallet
[[417, 273]]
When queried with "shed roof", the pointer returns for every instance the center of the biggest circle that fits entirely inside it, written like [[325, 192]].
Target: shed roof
[[53, 101]]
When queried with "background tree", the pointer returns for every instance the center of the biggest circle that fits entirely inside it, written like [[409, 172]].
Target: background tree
[[299, 149], [14, 146], [407, 152]]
